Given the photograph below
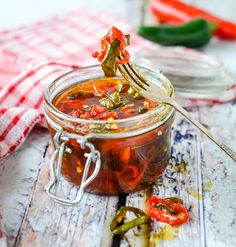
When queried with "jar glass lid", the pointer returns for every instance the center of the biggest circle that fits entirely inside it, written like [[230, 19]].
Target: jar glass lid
[[192, 73]]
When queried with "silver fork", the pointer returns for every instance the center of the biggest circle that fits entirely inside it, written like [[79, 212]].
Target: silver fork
[[155, 93]]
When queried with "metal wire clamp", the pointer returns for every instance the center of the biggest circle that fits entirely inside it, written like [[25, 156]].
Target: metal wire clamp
[[60, 139]]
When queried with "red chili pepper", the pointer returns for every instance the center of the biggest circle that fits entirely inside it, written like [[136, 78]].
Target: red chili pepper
[[77, 113], [128, 109], [97, 91], [175, 11], [85, 115], [149, 104], [71, 104], [130, 177], [106, 115], [113, 33], [125, 59], [125, 155], [96, 109], [157, 208]]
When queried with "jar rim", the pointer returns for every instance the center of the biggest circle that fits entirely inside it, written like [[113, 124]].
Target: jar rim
[[76, 120]]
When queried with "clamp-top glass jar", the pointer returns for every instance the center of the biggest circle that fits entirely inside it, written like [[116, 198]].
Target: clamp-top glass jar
[[99, 158]]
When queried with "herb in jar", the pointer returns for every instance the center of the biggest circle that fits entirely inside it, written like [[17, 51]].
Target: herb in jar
[[116, 104]]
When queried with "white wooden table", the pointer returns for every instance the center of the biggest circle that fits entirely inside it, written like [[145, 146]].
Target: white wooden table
[[207, 184]]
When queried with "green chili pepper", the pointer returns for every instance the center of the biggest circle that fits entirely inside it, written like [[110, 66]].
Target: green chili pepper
[[141, 218], [109, 65], [164, 206], [107, 103], [142, 109], [195, 33], [75, 95], [96, 127], [129, 225], [122, 85], [137, 95], [116, 99], [131, 91], [127, 37], [175, 199]]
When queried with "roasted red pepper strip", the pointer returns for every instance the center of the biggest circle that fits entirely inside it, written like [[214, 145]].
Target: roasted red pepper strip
[[113, 33], [174, 11], [176, 216]]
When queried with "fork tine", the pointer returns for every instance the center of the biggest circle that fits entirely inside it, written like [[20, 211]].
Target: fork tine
[[136, 72], [132, 73], [157, 94], [129, 77]]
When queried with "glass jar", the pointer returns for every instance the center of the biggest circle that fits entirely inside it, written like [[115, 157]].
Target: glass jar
[[103, 159], [193, 74]]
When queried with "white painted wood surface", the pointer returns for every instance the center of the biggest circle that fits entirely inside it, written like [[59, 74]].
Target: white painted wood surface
[[31, 218]]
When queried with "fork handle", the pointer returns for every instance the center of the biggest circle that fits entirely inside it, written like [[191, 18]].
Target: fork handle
[[224, 147]]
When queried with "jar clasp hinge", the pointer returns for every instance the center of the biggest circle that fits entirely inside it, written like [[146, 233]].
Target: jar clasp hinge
[[60, 139]]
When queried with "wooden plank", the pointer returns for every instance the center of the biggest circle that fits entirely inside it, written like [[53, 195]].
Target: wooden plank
[[18, 175], [180, 179], [137, 237], [185, 182], [212, 211], [219, 171], [48, 223]]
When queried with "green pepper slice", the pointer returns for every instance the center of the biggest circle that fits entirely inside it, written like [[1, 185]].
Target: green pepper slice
[[166, 207], [115, 98], [122, 86], [175, 199], [109, 65], [107, 103], [116, 44], [141, 218], [75, 95], [142, 109]]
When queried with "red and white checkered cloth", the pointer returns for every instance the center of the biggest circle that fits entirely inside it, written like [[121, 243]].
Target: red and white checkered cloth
[[32, 56]]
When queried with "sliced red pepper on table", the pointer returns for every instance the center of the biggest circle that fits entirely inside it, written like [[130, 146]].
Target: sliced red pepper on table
[[167, 210], [174, 11]]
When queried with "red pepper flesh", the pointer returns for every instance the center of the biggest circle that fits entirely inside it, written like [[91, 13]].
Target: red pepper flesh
[[165, 216], [174, 11], [113, 33]]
